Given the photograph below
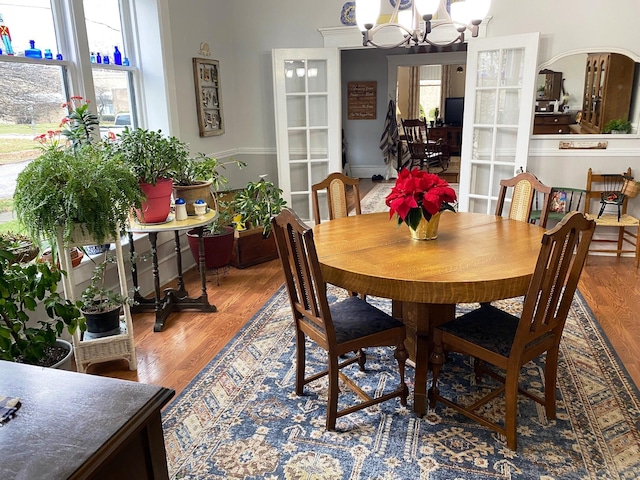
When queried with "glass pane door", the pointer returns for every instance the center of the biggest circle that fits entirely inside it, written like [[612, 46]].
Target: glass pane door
[[307, 98], [498, 113]]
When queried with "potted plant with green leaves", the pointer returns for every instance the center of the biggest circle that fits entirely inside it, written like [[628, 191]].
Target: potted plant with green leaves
[[19, 245], [100, 305], [23, 338], [253, 208], [199, 178], [153, 158], [617, 125], [83, 191]]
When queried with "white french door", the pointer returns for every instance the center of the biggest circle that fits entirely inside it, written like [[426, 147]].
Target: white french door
[[308, 121], [498, 115]]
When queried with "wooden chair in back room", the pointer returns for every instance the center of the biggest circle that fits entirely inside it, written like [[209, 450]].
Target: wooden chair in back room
[[336, 194], [341, 328], [493, 336]]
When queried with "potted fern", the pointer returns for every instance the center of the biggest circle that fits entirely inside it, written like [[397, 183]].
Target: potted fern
[[86, 188]]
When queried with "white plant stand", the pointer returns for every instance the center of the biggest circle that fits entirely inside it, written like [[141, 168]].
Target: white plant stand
[[114, 347]]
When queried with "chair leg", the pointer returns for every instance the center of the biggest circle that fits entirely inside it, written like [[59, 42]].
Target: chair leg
[[332, 394], [550, 376], [437, 359], [401, 355], [511, 408], [362, 358], [300, 362]]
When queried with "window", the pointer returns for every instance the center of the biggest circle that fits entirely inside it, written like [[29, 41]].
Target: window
[[33, 89]]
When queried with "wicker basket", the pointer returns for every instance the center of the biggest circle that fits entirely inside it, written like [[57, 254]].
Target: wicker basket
[[630, 188]]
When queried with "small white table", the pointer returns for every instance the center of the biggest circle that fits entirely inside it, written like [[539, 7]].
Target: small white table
[[174, 299]]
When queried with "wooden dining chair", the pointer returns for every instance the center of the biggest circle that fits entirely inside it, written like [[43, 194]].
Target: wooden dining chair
[[501, 339], [525, 186], [336, 191], [340, 328], [424, 152]]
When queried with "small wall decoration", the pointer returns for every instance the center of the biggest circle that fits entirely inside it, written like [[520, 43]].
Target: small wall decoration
[[206, 75], [583, 145], [361, 100]]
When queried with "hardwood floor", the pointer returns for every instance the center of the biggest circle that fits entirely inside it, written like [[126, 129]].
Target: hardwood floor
[[173, 357]]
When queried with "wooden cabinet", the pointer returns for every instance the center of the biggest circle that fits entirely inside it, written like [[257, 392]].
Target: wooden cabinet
[[552, 123], [77, 426], [607, 90], [450, 134]]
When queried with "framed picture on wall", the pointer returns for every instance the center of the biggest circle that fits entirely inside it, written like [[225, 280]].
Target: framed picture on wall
[[206, 75]]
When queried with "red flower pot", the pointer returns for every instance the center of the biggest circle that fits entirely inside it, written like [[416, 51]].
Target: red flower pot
[[156, 207]]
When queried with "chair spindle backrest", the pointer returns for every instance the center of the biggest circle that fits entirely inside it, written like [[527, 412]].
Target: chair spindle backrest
[[336, 186], [555, 279], [305, 286]]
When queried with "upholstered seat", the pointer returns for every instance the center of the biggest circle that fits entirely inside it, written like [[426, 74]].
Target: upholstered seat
[[508, 342], [340, 328]]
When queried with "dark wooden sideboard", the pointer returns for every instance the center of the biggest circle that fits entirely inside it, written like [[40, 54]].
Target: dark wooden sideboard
[[74, 425], [450, 134], [552, 123]]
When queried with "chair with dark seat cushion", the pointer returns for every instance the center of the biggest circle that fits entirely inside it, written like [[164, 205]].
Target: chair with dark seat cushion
[[425, 153], [507, 342], [340, 328]]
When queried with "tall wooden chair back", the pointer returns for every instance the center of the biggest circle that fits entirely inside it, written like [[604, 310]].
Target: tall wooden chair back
[[494, 336], [340, 329], [525, 185], [415, 130], [336, 191]]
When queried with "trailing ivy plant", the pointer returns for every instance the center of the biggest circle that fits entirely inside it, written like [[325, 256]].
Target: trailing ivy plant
[[89, 186]]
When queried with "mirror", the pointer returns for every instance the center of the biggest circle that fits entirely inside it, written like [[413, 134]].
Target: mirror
[[561, 104], [549, 85]]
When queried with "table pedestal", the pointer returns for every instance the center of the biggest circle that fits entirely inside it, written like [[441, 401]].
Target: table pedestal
[[421, 319]]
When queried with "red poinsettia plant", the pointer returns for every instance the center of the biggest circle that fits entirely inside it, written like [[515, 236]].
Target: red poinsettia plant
[[418, 194]]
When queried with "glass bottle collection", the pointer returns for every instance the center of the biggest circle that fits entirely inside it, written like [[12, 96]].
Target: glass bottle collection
[[118, 59]]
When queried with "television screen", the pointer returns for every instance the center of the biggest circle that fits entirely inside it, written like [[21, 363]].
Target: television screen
[[453, 111]]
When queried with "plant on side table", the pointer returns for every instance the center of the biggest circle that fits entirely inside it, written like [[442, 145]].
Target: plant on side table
[[198, 178], [617, 125], [22, 288], [153, 158]]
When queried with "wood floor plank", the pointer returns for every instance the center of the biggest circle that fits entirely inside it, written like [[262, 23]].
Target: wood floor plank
[[173, 357]]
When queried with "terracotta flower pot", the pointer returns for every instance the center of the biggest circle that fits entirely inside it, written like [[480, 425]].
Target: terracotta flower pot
[[191, 193], [156, 207]]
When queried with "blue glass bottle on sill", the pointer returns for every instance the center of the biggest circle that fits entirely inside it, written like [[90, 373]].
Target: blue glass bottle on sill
[[33, 52], [47, 54], [117, 56], [98, 58], [105, 60]]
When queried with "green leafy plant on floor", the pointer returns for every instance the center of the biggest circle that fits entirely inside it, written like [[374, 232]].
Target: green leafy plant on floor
[[257, 203]]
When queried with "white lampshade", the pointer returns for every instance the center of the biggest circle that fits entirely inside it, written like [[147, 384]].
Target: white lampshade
[[461, 13], [405, 18], [288, 73], [478, 8], [367, 11], [300, 71], [426, 7]]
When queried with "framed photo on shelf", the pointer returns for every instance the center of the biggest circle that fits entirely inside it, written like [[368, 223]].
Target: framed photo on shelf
[[206, 75]]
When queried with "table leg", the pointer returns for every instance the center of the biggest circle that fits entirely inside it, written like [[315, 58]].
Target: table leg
[[420, 319]]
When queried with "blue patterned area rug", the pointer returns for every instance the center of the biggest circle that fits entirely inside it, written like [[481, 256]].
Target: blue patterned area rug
[[241, 418]]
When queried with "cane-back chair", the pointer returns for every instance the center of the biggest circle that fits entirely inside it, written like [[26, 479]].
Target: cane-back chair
[[525, 187], [496, 337], [336, 192], [340, 328]]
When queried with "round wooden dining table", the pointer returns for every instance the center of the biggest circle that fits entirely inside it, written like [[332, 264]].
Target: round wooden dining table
[[475, 258]]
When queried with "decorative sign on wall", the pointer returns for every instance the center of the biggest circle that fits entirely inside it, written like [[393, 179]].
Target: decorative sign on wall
[[361, 100], [208, 100]]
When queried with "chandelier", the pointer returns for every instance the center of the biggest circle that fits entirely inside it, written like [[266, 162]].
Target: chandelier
[[412, 18]]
